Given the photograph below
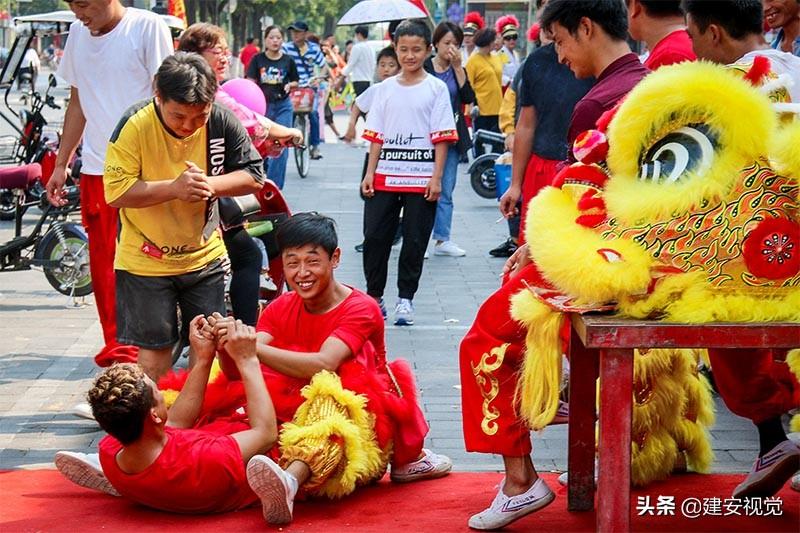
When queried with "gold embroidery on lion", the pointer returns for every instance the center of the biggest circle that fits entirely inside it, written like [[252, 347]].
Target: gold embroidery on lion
[[483, 370]]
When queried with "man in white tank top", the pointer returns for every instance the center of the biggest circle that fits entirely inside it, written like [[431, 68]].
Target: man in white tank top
[[109, 61]]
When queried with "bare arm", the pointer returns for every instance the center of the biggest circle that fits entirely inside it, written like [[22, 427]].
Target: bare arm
[[240, 343], [74, 124], [186, 409], [367, 184], [236, 183], [434, 188], [523, 143], [304, 364], [355, 112]]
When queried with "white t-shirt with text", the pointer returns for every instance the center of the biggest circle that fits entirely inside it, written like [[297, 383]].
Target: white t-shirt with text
[[407, 120], [111, 73]]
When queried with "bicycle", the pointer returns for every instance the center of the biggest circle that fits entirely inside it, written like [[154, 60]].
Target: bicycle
[[303, 103]]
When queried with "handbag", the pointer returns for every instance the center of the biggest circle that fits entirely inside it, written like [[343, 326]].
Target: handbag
[[464, 142], [234, 210]]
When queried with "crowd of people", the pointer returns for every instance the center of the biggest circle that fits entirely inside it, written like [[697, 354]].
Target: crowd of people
[[302, 398]]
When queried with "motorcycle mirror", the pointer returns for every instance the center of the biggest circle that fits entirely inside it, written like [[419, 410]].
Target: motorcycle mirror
[[51, 80]]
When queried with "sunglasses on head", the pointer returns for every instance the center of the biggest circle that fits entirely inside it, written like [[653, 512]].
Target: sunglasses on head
[[510, 37]]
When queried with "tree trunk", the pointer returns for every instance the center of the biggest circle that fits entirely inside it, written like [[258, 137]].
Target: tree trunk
[[191, 11], [330, 25]]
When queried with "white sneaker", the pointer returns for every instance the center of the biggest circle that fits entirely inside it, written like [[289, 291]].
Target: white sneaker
[[84, 469], [770, 471], [448, 248], [506, 509], [427, 255], [83, 410], [796, 482], [404, 313], [274, 486], [430, 466]]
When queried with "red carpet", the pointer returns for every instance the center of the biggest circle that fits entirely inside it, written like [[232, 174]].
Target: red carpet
[[42, 500]]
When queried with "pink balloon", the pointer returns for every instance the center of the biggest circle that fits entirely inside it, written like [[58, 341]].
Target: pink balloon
[[247, 93]]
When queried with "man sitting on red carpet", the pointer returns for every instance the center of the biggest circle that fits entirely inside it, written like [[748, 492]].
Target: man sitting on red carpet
[[160, 457], [345, 412]]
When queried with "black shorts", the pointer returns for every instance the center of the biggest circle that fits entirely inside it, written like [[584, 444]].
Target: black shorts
[[147, 305]]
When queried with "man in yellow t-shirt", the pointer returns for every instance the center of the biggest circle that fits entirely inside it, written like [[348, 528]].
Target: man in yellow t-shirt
[[168, 160]]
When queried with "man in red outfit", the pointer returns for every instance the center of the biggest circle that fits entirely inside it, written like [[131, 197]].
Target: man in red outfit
[[109, 61], [590, 39], [326, 332], [248, 51], [166, 458], [661, 25]]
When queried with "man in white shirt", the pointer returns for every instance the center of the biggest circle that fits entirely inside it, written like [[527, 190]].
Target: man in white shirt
[[361, 66], [109, 61]]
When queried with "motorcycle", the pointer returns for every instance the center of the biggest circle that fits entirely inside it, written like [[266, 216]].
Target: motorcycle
[[61, 250], [487, 146], [33, 145]]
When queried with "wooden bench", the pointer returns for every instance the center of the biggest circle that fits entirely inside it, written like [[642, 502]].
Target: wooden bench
[[603, 345]]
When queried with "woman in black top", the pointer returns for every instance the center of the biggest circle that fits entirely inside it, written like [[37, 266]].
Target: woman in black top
[[276, 74], [445, 64]]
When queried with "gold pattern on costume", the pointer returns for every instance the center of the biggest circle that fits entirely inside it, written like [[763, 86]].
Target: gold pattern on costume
[[483, 372], [709, 237]]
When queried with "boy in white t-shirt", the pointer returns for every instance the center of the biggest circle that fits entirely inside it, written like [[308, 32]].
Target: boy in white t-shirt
[[410, 125]]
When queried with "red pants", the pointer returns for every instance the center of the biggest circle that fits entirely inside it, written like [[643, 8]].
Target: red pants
[[754, 385], [101, 222], [538, 174], [490, 357]]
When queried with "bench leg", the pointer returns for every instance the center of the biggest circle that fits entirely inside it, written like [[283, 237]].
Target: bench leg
[[582, 396], [616, 402]]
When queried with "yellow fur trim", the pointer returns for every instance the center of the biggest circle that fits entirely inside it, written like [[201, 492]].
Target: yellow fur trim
[[539, 383], [688, 298], [785, 156], [170, 396], [654, 108], [654, 458], [363, 459], [567, 253]]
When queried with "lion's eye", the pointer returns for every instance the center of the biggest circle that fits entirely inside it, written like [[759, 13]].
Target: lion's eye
[[687, 149]]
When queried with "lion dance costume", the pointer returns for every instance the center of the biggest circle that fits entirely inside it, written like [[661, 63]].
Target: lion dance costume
[[684, 208]]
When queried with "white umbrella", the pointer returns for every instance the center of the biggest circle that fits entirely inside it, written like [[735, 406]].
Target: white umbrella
[[369, 11]]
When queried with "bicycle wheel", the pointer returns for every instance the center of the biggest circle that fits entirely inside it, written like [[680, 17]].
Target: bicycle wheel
[[301, 155]]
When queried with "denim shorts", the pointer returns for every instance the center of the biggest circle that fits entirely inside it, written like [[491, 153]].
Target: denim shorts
[[147, 306]]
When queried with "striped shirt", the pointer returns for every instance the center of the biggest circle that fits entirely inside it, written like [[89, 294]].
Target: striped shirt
[[305, 62]]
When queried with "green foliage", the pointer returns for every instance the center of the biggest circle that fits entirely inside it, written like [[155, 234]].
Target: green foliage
[[38, 6]]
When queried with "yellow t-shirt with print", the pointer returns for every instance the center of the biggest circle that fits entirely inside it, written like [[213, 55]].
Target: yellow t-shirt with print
[[485, 74], [175, 237]]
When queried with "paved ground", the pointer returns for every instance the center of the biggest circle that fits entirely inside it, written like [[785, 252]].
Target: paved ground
[[47, 342]]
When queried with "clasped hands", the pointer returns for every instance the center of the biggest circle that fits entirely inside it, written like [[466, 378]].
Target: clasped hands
[[217, 332], [192, 185]]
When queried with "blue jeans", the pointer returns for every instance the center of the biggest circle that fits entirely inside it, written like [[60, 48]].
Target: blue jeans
[[280, 112], [444, 209], [314, 117]]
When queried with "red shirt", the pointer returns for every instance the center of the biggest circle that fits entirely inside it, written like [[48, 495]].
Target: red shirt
[[247, 54], [357, 322], [614, 82], [198, 471], [674, 48]]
